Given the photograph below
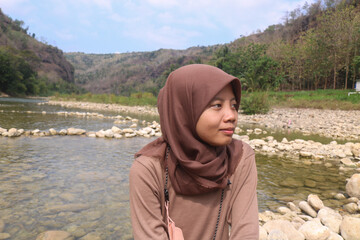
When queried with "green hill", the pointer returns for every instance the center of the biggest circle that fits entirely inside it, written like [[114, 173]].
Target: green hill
[[28, 66]]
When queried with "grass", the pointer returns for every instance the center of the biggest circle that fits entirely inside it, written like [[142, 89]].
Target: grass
[[320, 99], [135, 99]]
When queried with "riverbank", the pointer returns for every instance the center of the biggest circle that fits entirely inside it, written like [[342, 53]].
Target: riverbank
[[105, 107], [308, 151], [336, 124]]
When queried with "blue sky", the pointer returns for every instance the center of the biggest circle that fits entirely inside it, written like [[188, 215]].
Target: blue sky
[[110, 26]]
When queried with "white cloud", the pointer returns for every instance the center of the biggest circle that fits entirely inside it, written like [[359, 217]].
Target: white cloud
[[163, 3]]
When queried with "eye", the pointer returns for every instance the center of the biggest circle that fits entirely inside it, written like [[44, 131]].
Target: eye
[[215, 105]]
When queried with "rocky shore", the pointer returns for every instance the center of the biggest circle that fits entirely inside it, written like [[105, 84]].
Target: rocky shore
[[309, 151], [106, 107], [336, 124]]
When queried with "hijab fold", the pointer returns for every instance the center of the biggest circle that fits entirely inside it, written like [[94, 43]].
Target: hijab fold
[[194, 166]]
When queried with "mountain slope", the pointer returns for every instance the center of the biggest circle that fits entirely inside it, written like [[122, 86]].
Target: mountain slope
[[131, 72], [46, 60]]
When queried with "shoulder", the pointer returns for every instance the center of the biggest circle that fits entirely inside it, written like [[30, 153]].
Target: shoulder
[[247, 162], [145, 167], [247, 151]]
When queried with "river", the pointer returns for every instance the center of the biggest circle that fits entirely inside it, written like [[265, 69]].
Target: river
[[80, 184]]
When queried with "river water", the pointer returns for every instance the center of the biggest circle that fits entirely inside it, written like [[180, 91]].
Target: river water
[[80, 184]]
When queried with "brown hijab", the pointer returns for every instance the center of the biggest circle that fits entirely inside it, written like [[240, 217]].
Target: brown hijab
[[194, 166]]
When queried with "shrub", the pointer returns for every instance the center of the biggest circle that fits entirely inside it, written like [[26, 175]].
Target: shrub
[[254, 103]]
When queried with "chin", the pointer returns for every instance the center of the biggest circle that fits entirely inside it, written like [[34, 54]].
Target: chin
[[222, 143]]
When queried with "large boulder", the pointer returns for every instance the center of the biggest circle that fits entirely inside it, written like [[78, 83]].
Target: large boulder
[[277, 234], [262, 233], [330, 218], [350, 228], [353, 186], [313, 230], [284, 226]]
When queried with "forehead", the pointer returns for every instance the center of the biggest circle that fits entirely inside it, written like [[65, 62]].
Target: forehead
[[225, 93]]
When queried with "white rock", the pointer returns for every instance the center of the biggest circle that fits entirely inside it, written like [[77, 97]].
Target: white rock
[[148, 130], [285, 227], [262, 233], [13, 132], [75, 131], [52, 131], [92, 135], [352, 200], [313, 230], [293, 207], [258, 142], [283, 210], [100, 134], [63, 132], [108, 133], [355, 149], [330, 218], [347, 162], [304, 206], [35, 131], [133, 125], [305, 154], [115, 129], [339, 196], [334, 236], [277, 234], [350, 228], [118, 136], [257, 131], [351, 207], [127, 130], [130, 135], [353, 186], [315, 202]]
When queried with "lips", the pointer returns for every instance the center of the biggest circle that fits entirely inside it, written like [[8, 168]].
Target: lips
[[227, 131]]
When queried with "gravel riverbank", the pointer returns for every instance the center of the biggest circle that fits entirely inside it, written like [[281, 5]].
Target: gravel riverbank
[[336, 124]]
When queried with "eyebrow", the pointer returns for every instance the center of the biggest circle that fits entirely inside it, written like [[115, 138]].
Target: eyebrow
[[221, 99]]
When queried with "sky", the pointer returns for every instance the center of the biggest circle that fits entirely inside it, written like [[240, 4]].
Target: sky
[[119, 26]]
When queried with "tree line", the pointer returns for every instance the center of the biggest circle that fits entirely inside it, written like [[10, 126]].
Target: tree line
[[316, 48]]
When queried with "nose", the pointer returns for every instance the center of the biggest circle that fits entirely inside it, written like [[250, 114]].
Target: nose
[[230, 114]]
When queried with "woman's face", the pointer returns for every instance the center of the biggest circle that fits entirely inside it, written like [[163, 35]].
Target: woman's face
[[217, 123]]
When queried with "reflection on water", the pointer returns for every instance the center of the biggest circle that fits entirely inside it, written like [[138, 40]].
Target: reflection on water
[[80, 184]]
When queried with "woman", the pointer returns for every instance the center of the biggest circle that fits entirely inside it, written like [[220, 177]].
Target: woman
[[209, 177]]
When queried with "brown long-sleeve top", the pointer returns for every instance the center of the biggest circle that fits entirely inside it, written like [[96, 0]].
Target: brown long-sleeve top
[[195, 215]]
